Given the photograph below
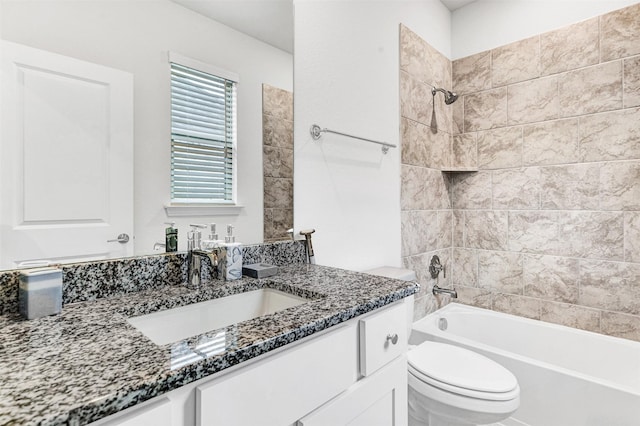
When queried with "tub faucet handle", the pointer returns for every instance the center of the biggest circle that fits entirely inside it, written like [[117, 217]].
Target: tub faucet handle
[[435, 267]]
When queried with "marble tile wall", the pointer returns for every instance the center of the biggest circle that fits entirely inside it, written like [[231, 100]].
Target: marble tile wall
[[549, 227], [277, 154], [427, 145]]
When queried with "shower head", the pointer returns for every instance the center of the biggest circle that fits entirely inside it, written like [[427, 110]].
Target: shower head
[[449, 96]]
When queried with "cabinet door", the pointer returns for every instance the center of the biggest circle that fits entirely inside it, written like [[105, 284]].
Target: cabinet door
[[282, 388], [377, 400], [157, 413]]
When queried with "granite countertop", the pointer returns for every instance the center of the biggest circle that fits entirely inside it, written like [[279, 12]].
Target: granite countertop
[[89, 362]]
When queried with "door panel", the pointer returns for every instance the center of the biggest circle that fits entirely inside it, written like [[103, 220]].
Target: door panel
[[66, 158]]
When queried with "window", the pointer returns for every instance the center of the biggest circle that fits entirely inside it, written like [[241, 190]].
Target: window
[[203, 133]]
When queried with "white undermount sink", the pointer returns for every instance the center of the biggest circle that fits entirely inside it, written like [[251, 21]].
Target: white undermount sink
[[179, 323]]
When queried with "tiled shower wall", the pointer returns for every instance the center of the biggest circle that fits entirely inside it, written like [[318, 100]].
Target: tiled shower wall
[[426, 208], [277, 148], [549, 227]]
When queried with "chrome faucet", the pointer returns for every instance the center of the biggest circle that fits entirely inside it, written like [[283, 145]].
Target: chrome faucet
[[195, 254], [451, 292], [194, 265]]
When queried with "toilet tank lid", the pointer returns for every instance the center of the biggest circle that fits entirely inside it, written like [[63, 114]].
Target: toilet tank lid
[[393, 272]]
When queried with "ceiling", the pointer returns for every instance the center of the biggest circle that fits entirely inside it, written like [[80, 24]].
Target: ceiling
[[268, 20], [456, 4]]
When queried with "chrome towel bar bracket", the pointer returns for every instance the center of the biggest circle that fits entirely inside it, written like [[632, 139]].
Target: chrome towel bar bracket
[[316, 133]]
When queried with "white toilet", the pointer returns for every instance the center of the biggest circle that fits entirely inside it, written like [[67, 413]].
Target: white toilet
[[453, 386]]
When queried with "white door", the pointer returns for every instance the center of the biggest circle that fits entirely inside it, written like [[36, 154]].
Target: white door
[[66, 158]]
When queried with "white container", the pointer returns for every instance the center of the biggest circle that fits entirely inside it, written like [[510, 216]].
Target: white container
[[232, 261], [40, 292]]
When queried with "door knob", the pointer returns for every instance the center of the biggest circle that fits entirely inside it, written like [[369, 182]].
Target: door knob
[[122, 239]]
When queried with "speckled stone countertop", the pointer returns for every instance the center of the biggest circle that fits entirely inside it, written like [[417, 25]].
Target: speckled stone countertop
[[88, 362]]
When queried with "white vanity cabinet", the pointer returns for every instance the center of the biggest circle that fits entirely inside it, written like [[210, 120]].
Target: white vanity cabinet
[[352, 373], [379, 398]]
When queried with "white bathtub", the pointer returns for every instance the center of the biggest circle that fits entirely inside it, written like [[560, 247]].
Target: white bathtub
[[567, 377]]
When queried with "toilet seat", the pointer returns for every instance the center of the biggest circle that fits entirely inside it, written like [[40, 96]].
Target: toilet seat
[[462, 372]]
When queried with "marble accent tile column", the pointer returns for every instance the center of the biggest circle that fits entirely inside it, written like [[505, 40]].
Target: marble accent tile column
[[531, 101], [551, 278], [571, 47], [473, 73], [277, 102], [500, 271], [620, 33], [515, 62], [485, 110], [610, 286], [516, 189], [277, 132], [592, 235], [550, 142], [277, 222], [500, 148], [594, 89], [570, 187], [631, 92], [610, 136], [278, 192], [277, 160]]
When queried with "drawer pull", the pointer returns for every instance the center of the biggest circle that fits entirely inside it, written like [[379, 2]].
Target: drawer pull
[[393, 338]]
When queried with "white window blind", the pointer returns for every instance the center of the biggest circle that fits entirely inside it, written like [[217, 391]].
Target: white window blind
[[203, 132]]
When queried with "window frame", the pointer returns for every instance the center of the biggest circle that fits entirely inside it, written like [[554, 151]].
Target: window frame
[[188, 207]]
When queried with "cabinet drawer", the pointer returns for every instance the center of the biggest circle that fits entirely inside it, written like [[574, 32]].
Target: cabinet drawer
[[284, 387], [378, 332]]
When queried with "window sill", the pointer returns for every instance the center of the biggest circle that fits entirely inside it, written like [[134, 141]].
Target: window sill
[[187, 210]]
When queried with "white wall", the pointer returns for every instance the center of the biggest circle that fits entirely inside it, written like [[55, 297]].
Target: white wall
[[486, 24], [135, 36], [346, 62]]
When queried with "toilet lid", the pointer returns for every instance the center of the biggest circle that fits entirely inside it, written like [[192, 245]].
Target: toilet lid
[[460, 368]]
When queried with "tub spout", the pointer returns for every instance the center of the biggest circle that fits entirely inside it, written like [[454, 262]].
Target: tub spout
[[451, 292]]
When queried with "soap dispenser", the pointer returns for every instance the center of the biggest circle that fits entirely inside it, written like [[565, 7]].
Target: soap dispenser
[[213, 241], [232, 256], [171, 238]]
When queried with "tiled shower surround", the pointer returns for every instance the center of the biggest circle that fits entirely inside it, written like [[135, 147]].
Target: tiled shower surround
[[277, 148], [549, 225]]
